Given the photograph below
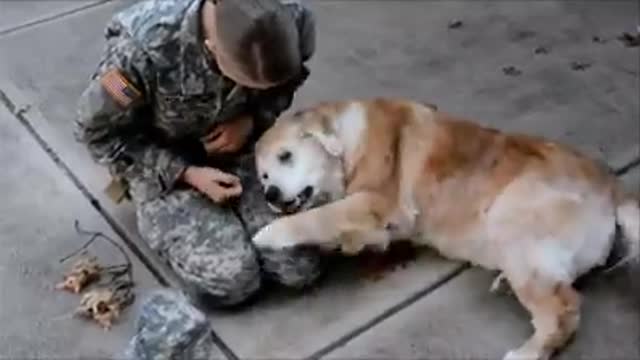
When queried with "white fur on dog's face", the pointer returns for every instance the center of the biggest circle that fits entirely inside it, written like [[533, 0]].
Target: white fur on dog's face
[[298, 166]]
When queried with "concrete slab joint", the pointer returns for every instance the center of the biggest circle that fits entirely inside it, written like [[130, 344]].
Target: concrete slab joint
[[36, 226]]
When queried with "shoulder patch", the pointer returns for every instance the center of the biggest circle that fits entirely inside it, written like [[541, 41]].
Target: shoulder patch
[[120, 89]]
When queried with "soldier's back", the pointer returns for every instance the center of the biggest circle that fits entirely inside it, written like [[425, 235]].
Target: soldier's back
[[155, 25]]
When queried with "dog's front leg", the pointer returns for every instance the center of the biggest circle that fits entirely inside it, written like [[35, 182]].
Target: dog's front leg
[[350, 224]]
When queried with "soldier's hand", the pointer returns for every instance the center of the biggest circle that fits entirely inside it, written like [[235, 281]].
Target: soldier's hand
[[219, 186], [229, 137]]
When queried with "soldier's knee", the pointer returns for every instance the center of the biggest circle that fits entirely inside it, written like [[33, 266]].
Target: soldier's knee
[[243, 279], [205, 245], [224, 271], [296, 268]]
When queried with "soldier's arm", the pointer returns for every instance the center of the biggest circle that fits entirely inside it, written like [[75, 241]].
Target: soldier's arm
[[271, 103], [105, 121]]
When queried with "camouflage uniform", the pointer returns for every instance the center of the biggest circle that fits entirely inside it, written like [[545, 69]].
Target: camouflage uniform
[[157, 46], [171, 327]]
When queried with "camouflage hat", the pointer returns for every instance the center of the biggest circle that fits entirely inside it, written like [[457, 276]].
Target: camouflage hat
[[260, 37]]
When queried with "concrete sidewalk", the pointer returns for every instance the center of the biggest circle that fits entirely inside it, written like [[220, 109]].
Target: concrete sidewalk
[[553, 68]]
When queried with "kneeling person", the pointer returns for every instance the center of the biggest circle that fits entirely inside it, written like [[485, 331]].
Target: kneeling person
[[182, 92]]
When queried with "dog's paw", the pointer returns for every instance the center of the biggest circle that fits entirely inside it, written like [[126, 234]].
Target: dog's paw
[[351, 248], [273, 237], [402, 221], [525, 353], [354, 243]]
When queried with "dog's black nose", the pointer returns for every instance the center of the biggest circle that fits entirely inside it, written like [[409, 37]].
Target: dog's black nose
[[307, 192], [272, 194]]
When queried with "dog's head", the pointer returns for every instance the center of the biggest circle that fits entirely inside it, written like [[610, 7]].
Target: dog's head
[[299, 162]]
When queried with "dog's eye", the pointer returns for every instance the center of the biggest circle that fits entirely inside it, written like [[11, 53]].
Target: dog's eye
[[285, 156], [265, 176]]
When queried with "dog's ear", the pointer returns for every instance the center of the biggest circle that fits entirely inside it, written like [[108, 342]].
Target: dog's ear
[[431, 106], [322, 132]]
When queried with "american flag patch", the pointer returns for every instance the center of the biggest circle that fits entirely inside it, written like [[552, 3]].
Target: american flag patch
[[119, 88]]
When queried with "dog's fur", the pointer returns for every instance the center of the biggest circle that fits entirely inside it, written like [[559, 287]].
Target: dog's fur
[[380, 170]]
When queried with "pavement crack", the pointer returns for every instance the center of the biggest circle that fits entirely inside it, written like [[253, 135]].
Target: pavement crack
[[626, 168], [343, 340], [22, 110], [19, 113], [222, 346], [4, 100]]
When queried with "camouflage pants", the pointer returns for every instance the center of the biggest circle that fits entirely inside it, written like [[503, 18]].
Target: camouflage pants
[[209, 245]]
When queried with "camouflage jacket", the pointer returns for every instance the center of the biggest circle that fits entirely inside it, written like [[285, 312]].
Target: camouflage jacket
[[173, 92]]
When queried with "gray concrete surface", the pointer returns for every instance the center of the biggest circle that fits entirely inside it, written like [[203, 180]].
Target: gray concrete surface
[[50, 85], [363, 52], [373, 48], [37, 217], [292, 327], [17, 14], [462, 320], [632, 180]]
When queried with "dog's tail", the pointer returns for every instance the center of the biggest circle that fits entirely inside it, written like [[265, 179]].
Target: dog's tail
[[628, 219]]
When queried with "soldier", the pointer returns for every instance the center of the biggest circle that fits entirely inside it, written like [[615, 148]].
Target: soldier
[[183, 90]]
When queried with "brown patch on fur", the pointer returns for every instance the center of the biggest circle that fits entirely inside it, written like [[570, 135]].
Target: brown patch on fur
[[304, 118], [525, 145], [377, 157], [470, 164], [461, 145], [456, 146]]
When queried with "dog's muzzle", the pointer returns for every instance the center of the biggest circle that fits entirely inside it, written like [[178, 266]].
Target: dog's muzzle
[[278, 204]]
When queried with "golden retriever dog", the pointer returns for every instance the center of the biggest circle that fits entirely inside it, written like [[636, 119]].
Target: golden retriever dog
[[353, 174]]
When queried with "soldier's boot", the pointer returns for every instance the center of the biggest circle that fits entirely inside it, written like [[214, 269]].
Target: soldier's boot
[[170, 327]]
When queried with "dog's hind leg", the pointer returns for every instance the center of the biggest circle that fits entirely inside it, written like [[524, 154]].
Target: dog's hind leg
[[555, 315]]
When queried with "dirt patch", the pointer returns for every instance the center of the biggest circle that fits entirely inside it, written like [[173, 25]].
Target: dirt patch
[[455, 24], [375, 265], [511, 71], [630, 40]]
